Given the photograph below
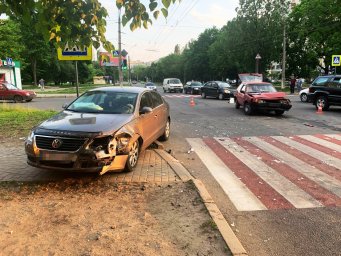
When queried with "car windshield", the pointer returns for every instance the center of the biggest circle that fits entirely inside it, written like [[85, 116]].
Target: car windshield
[[10, 86], [260, 88], [224, 85], [174, 81], [196, 84], [149, 84], [105, 102]]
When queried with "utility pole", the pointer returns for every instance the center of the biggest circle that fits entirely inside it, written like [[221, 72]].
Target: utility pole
[[283, 58], [129, 71], [120, 74]]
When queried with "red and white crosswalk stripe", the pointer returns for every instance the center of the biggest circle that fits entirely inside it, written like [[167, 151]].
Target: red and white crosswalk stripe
[[181, 96], [277, 172]]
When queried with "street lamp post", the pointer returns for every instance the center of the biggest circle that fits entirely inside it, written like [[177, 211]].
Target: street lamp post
[[258, 58]]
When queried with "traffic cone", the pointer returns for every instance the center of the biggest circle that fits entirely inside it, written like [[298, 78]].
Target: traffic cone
[[192, 103], [319, 109]]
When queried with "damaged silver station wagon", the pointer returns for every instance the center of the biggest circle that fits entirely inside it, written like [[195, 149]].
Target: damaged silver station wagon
[[103, 130]]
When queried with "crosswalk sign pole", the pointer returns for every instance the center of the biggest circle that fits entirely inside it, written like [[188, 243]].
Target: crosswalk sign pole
[[76, 65]]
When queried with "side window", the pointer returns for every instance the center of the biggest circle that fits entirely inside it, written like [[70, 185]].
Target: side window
[[157, 100], [146, 100], [321, 81], [336, 82]]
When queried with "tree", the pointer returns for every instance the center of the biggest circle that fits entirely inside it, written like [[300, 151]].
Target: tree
[[177, 50], [314, 34], [10, 40]]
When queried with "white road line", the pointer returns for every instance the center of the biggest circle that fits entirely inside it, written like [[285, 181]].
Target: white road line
[[296, 196], [239, 194], [322, 142], [321, 178], [334, 136], [323, 157]]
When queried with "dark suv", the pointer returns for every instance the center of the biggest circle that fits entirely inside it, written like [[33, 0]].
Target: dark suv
[[325, 91]]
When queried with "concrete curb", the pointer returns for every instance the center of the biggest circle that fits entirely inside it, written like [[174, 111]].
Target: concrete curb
[[224, 228]]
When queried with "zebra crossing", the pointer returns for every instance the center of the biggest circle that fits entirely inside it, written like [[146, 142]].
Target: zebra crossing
[[275, 172]]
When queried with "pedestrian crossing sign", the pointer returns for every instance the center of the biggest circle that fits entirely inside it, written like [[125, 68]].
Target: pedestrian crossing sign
[[74, 53], [336, 60]]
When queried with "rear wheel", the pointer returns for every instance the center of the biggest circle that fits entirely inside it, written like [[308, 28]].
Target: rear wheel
[[18, 98], [203, 95], [28, 100], [247, 109], [133, 156], [323, 102], [166, 133]]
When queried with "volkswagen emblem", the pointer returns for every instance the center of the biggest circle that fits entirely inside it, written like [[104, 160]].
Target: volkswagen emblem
[[57, 143]]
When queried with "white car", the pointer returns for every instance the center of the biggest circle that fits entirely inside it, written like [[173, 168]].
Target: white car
[[150, 86], [172, 85], [304, 95]]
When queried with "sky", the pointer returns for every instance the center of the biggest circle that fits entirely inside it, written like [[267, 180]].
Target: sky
[[186, 21]]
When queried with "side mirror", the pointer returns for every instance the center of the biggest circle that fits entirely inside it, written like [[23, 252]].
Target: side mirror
[[65, 105], [145, 110]]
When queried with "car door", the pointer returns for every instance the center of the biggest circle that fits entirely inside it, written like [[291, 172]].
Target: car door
[[160, 114], [334, 88], [241, 94], [148, 121], [214, 89]]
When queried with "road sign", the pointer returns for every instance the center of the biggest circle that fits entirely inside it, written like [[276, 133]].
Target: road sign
[[75, 53], [336, 60], [9, 62]]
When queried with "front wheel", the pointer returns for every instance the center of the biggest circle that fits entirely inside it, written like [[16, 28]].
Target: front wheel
[[322, 102], [133, 156], [221, 96], [237, 105], [247, 109], [166, 133], [304, 97], [203, 95], [279, 112]]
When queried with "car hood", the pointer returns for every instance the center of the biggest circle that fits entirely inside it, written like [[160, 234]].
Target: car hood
[[86, 122], [269, 95]]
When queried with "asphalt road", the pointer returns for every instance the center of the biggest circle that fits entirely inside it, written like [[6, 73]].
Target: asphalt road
[[292, 231]]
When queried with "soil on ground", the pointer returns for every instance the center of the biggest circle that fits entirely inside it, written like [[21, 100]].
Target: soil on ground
[[92, 217]]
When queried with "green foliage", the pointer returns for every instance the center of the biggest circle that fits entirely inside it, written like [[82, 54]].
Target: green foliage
[[10, 40], [16, 122]]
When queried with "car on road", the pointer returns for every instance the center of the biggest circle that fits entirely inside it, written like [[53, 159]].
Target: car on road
[[217, 89], [150, 86], [9, 91], [325, 91], [253, 95], [105, 129], [304, 95], [193, 87], [172, 85]]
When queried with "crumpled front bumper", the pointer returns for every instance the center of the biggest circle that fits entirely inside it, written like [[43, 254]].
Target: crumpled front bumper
[[83, 160], [271, 106]]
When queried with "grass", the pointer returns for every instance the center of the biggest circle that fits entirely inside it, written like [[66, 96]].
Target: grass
[[16, 122]]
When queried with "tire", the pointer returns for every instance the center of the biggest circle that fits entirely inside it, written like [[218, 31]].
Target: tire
[[221, 96], [164, 90], [304, 97], [18, 98], [28, 100], [181, 91], [279, 112], [237, 105], [192, 92], [203, 95], [185, 91], [323, 101], [133, 156], [247, 109], [166, 133]]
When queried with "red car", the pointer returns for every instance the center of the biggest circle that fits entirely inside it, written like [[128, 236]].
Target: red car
[[253, 94], [9, 92]]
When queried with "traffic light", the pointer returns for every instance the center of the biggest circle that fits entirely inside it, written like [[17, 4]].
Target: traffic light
[[124, 64]]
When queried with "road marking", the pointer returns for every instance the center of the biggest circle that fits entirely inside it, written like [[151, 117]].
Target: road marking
[[287, 189], [275, 172], [238, 193]]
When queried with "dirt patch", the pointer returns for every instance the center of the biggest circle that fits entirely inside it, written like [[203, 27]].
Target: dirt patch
[[76, 217]]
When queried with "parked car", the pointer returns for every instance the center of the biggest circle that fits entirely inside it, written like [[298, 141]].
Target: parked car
[[8, 91], [217, 89], [255, 95], [150, 86], [193, 87], [325, 91], [103, 130], [304, 94], [172, 85]]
